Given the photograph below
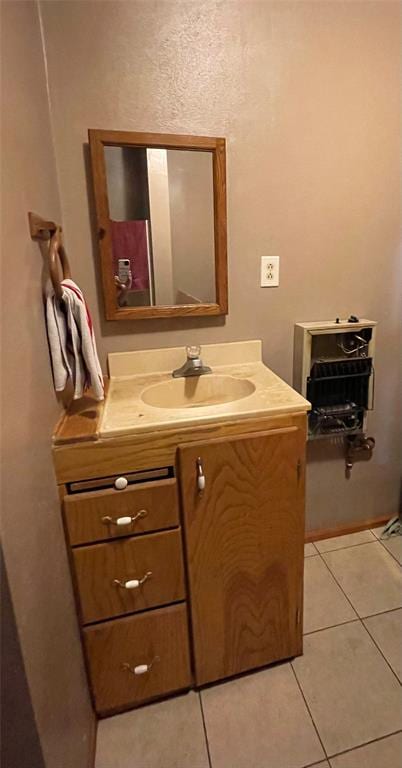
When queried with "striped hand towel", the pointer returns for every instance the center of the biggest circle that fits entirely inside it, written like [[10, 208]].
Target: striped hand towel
[[72, 342]]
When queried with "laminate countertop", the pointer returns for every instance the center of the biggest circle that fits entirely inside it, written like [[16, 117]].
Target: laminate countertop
[[138, 378]]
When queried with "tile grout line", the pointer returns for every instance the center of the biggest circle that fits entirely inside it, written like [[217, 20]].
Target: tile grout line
[[361, 619], [331, 626], [347, 546], [358, 618], [309, 712], [344, 751], [353, 621], [375, 540], [381, 613], [380, 651], [205, 729], [381, 541], [340, 587], [366, 744]]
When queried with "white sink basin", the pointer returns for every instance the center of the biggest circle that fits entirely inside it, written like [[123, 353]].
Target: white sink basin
[[197, 391]]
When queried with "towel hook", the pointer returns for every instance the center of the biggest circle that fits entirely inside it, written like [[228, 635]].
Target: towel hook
[[56, 249], [42, 229]]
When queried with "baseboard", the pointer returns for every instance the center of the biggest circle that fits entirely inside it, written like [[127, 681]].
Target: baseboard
[[328, 533]]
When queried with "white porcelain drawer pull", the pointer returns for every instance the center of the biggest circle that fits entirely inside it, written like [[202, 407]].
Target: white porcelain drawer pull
[[132, 583], [140, 669], [120, 483], [124, 520], [200, 476]]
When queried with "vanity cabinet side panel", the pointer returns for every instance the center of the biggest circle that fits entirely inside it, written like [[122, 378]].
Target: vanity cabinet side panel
[[244, 538]]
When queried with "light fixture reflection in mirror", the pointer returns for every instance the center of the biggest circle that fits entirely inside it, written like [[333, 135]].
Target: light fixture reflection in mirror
[[161, 208]]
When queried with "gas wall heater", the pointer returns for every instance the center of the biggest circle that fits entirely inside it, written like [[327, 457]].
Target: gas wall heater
[[333, 368]]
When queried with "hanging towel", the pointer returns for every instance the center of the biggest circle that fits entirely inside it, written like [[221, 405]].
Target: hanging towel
[[72, 342], [57, 336]]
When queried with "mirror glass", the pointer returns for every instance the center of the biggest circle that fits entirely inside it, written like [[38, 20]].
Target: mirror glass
[[161, 208]]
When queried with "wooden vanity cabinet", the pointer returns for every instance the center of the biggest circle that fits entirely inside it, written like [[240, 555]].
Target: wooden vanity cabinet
[[244, 540], [226, 589]]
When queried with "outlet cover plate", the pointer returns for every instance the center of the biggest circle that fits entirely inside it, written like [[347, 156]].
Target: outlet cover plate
[[269, 271]]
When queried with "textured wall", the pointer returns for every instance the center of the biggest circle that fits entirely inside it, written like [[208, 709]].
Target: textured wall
[[32, 536], [307, 95]]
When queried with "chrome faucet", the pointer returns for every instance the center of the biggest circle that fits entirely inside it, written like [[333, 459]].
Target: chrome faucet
[[193, 365]]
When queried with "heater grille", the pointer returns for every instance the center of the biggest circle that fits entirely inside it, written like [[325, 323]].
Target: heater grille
[[340, 382]]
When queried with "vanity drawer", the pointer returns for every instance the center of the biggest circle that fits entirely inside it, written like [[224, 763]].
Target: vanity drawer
[[153, 506], [160, 636], [129, 561]]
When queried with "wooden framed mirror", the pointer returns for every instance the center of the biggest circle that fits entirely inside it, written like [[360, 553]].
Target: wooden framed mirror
[[161, 223]]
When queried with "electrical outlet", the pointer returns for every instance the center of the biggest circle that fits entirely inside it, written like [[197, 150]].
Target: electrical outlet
[[269, 271]]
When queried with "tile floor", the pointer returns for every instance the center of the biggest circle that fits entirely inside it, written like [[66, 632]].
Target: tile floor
[[339, 705]]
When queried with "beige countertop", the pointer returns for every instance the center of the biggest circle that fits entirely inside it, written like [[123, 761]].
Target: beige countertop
[[132, 373]]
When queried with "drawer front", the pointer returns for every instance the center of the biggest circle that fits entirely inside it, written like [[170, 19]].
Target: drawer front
[[93, 516], [159, 636], [150, 566]]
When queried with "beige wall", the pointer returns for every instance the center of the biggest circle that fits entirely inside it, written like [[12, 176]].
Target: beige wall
[[307, 95], [32, 537]]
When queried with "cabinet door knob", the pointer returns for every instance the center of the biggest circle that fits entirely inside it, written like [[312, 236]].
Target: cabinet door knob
[[120, 483], [132, 583], [124, 520], [200, 476], [140, 669]]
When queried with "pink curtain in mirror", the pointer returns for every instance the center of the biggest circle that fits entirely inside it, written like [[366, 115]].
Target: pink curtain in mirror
[[129, 241]]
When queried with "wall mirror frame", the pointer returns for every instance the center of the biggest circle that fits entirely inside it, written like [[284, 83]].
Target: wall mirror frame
[[99, 140]]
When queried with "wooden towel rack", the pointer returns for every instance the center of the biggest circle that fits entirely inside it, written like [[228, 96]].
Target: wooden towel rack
[[41, 229]]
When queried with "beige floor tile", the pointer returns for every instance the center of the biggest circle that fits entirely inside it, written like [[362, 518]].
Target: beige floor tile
[[324, 602], [386, 630], [393, 544], [165, 735], [386, 753], [351, 692], [309, 550], [370, 578], [258, 721], [349, 540]]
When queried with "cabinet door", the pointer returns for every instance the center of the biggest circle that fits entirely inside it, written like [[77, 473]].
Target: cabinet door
[[244, 538]]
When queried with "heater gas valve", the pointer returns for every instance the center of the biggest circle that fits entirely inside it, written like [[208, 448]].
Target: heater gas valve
[[357, 444]]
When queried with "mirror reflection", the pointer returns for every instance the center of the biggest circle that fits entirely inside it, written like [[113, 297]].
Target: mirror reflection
[[161, 208]]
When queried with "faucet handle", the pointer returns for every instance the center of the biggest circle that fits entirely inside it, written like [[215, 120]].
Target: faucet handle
[[193, 352]]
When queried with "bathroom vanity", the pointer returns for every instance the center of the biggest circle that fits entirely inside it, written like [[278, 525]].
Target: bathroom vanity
[[183, 507]]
